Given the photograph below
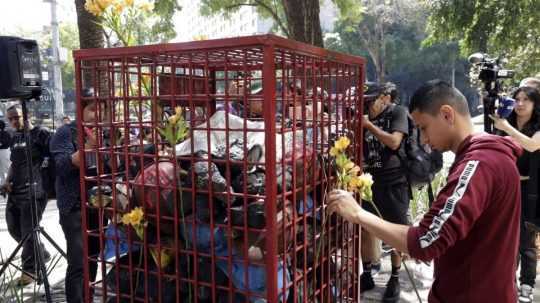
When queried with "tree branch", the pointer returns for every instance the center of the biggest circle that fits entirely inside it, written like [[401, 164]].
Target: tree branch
[[275, 16], [267, 8]]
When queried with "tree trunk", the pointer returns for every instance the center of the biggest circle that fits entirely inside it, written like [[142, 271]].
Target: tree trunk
[[303, 21], [90, 34]]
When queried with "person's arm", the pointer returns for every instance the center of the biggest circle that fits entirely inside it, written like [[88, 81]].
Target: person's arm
[[457, 207], [391, 140], [6, 187], [343, 203], [530, 144], [399, 126], [63, 151]]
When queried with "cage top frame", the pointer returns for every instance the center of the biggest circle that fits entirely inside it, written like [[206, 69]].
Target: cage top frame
[[213, 44]]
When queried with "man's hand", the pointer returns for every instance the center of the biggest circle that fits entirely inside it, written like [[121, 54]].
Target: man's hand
[[91, 137], [366, 123], [344, 204], [500, 123], [5, 188]]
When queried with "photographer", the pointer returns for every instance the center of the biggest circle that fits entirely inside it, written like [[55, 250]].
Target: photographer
[[384, 133], [67, 159], [524, 126], [22, 214]]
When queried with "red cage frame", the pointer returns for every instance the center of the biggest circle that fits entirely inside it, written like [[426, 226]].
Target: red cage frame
[[292, 77]]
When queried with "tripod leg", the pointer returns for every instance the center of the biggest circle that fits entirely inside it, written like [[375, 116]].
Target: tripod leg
[[41, 268], [14, 253], [53, 243]]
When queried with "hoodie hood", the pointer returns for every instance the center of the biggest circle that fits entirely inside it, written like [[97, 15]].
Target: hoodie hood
[[476, 144]]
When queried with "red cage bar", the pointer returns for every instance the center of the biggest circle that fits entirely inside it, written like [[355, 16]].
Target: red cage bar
[[233, 211]]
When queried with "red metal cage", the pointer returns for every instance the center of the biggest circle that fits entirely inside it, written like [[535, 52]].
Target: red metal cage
[[229, 205]]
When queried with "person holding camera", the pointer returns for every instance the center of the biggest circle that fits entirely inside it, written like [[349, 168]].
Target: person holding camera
[[385, 129], [25, 206], [523, 125], [67, 159], [471, 229]]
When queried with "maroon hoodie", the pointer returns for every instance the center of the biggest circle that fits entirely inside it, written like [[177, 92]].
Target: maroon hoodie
[[472, 229]]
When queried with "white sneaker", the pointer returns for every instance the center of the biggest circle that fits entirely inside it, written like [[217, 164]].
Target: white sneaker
[[526, 294]]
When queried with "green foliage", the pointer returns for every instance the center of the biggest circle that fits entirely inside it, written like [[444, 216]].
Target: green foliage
[[163, 30], [406, 62], [493, 26]]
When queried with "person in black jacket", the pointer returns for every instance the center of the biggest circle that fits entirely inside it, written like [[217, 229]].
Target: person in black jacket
[[65, 152], [22, 214]]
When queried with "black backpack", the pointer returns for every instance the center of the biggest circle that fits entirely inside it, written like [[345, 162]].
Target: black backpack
[[419, 162]]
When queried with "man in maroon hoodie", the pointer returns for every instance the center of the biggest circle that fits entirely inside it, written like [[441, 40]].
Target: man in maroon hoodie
[[471, 230]]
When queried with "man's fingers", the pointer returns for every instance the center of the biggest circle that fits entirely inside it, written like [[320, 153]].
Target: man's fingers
[[330, 209]]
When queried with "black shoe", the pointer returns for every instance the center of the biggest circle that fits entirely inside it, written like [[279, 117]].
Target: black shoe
[[391, 294], [366, 282]]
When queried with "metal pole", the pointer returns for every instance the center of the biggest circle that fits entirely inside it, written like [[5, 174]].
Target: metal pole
[[56, 65]]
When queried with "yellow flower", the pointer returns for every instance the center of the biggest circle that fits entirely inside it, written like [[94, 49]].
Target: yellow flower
[[103, 4], [355, 170], [334, 152], [129, 2], [367, 180], [349, 165], [342, 143], [137, 215], [126, 219], [93, 8], [147, 6], [134, 217], [178, 111], [165, 258], [118, 8], [173, 119], [354, 184]]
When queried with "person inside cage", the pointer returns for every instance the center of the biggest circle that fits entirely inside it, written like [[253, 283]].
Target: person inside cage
[[471, 229]]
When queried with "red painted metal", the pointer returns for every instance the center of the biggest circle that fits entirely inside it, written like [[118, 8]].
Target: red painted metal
[[237, 208]]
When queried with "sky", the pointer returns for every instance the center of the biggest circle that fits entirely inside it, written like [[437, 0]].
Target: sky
[[29, 16]]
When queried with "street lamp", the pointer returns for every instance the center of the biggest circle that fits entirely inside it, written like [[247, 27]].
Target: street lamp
[[56, 64]]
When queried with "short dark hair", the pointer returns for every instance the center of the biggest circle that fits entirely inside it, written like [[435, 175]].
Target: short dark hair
[[433, 94]]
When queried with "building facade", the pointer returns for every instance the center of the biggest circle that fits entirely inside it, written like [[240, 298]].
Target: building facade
[[191, 25]]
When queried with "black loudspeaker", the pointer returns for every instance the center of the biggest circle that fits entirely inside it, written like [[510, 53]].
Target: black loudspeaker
[[20, 71]]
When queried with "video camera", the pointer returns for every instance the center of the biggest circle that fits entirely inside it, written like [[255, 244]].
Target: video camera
[[490, 72]]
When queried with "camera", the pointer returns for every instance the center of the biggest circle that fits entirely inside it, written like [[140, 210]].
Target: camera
[[489, 72]]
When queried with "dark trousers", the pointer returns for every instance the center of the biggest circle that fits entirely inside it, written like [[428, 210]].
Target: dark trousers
[[20, 219], [527, 245], [71, 223]]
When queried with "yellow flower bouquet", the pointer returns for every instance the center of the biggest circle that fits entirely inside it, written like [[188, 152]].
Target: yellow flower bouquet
[[135, 219]]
